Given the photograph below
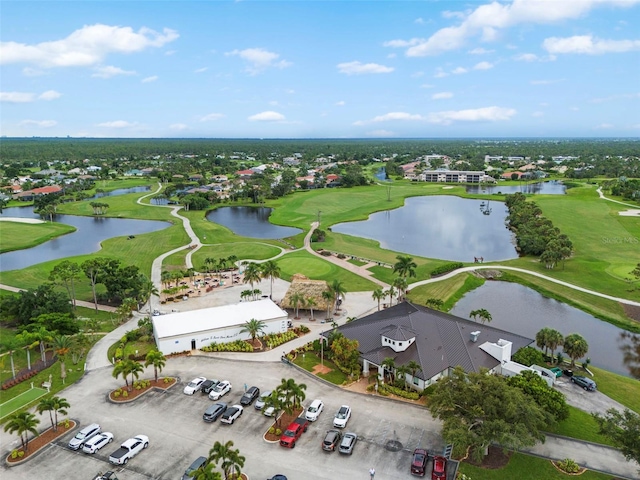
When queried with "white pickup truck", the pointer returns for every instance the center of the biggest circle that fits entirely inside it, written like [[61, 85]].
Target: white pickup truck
[[129, 449]]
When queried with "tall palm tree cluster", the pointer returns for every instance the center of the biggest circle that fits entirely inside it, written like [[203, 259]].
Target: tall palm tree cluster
[[574, 344], [286, 397], [405, 267], [229, 459], [389, 367], [131, 367], [254, 272]]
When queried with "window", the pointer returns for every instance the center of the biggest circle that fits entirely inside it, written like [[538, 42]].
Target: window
[[416, 380], [399, 344]]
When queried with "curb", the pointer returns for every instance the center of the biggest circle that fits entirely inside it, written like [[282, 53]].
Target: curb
[[154, 388]]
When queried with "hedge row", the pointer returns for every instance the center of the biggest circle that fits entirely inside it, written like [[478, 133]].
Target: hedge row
[[446, 268], [236, 346]]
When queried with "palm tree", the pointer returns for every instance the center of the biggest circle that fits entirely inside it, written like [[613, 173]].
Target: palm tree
[[135, 369], [484, 315], [251, 274], [542, 339], [296, 299], [24, 423], [311, 302], [401, 372], [10, 344], [256, 292], [270, 270], [328, 296], [414, 367], [576, 347], [26, 340], [53, 404], [378, 295], [435, 303], [206, 472], [229, 458], [554, 340], [253, 327], [165, 277], [405, 266], [122, 368], [43, 336], [208, 262], [158, 360], [147, 290], [388, 365], [337, 287], [61, 346], [232, 259], [246, 294], [401, 285], [390, 293]]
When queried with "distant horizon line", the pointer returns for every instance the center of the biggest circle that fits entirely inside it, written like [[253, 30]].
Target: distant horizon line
[[4, 137]]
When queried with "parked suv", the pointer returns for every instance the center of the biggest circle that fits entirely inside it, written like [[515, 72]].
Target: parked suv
[[259, 405], [197, 463], [83, 435], [250, 395], [314, 410], [584, 382], [331, 440]]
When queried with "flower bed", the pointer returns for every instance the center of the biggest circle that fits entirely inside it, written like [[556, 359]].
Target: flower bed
[[277, 339], [236, 346], [18, 455], [140, 387]]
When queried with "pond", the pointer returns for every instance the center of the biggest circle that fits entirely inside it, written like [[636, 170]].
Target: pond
[[381, 175], [524, 311], [90, 232], [445, 227], [121, 191], [552, 187], [250, 222]]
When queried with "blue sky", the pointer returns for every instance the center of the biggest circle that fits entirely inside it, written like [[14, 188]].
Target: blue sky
[[305, 69]]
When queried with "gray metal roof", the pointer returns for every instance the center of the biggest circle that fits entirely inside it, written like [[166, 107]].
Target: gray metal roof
[[442, 340]]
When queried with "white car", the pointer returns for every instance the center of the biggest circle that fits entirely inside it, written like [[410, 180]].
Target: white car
[[194, 385], [220, 390], [231, 414], [262, 399], [97, 442], [314, 410], [342, 417]]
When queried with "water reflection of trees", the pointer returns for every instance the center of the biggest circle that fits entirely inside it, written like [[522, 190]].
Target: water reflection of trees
[[631, 353]]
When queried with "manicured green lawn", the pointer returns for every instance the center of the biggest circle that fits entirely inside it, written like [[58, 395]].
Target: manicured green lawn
[[249, 250], [581, 425], [525, 467], [449, 291], [318, 269], [18, 235], [310, 360], [622, 389], [120, 206], [357, 263], [17, 402]]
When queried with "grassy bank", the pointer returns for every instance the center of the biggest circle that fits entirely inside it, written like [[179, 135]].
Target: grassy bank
[[621, 389], [449, 291], [19, 235]]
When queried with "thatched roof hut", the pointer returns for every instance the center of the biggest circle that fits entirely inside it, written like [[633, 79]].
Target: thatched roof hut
[[308, 289]]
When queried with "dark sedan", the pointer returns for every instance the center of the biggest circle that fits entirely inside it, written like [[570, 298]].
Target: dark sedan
[[249, 396], [419, 462], [212, 413]]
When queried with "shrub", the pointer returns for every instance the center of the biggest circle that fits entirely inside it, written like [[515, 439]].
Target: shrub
[[167, 380], [278, 432], [117, 394], [125, 394], [304, 329], [382, 388], [20, 453], [446, 268], [429, 390], [118, 354], [342, 256], [14, 454], [325, 253], [568, 465], [272, 430]]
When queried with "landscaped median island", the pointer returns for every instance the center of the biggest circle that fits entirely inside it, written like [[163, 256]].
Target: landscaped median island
[[139, 388], [39, 441]]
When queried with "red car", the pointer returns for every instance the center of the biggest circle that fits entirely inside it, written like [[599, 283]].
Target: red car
[[439, 468], [419, 462]]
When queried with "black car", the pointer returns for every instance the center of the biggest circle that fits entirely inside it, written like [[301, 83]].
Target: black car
[[208, 385], [249, 396], [195, 465], [212, 413]]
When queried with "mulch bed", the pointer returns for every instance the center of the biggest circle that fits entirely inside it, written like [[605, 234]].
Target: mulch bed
[[285, 420], [497, 458], [41, 441], [632, 311], [133, 394]]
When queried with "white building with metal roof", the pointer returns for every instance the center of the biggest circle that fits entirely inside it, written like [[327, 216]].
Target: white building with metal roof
[[185, 331]]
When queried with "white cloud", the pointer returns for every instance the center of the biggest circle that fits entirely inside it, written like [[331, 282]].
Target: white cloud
[[487, 20], [427, 85], [49, 95], [419, 21], [87, 46], [153, 78], [483, 66], [459, 70], [38, 123], [212, 117], [392, 116], [381, 133], [587, 44], [259, 59], [358, 68], [440, 73], [453, 14], [544, 82], [117, 124], [341, 103], [623, 96], [17, 97], [403, 43], [268, 116], [178, 127], [574, 109], [201, 70], [110, 71], [537, 114], [486, 114], [417, 75], [526, 57], [168, 53], [480, 51], [441, 95], [32, 72]]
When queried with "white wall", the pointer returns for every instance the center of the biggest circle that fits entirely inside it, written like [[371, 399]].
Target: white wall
[[182, 343]]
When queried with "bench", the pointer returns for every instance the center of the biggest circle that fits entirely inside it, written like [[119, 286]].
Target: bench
[[47, 385]]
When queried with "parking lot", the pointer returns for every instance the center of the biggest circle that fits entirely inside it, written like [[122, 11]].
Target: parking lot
[[388, 432]]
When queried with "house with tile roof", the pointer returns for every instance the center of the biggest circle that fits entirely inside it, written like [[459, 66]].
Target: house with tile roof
[[435, 340]]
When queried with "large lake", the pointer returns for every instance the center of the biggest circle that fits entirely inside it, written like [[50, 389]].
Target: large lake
[[445, 227], [552, 187], [250, 222], [91, 231], [524, 311]]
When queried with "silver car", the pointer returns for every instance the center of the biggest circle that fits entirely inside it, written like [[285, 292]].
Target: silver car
[[348, 442], [259, 405], [83, 435]]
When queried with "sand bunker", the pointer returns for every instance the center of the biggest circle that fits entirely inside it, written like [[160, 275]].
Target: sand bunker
[[20, 220], [446, 188], [630, 213]]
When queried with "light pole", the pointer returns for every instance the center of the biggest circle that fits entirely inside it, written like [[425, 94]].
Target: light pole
[[321, 349], [319, 212]]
